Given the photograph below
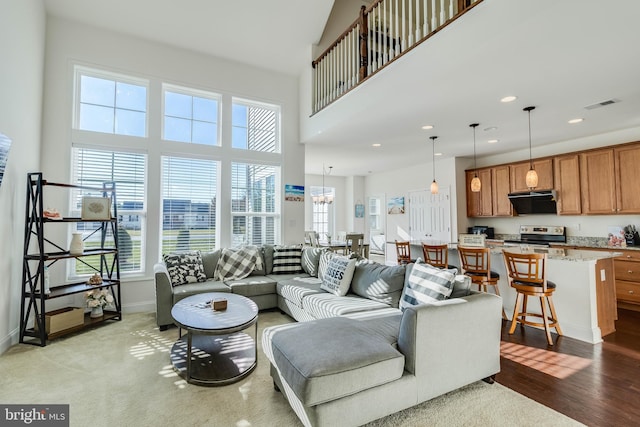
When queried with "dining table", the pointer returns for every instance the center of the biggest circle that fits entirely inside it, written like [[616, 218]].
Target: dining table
[[336, 245]]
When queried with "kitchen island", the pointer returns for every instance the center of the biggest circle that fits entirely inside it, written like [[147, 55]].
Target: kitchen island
[[585, 296]]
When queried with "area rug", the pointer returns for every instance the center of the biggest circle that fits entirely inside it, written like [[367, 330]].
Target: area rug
[[120, 374]]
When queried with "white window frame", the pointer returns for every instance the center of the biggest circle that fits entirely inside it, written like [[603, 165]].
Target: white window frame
[[278, 111]]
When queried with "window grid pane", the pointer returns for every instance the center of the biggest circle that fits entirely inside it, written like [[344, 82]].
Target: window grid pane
[[128, 170], [112, 106], [190, 118], [189, 196], [255, 127]]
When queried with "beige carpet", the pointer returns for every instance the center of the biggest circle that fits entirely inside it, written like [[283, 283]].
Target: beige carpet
[[120, 374]]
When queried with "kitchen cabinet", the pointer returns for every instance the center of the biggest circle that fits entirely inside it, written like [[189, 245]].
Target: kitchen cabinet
[[518, 171], [567, 179], [627, 273], [627, 173], [500, 191], [480, 204], [597, 182]]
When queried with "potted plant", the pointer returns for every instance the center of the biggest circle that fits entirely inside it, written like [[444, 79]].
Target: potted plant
[[97, 299]]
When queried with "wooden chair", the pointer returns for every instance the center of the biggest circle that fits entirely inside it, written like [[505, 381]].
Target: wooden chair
[[403, 251], [436, 255], [476, 263], [528, 276], [311, 237], [354, 244]]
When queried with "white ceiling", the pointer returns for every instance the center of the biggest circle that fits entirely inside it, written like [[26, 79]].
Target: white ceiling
[[559, 56]]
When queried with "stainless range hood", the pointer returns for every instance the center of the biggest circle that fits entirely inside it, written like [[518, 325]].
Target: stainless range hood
[[534, 202]]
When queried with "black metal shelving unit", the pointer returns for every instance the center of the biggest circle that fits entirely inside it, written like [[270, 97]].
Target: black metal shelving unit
[[34, 299]]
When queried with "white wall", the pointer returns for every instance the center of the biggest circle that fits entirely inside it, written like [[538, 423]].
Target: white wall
[[70, 43], [22, 47]]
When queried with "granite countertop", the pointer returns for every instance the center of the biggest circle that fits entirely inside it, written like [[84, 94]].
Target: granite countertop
[[576, 255], [581, 242]]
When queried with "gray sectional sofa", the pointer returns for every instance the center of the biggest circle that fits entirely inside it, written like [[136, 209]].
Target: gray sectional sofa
[[355, 358]]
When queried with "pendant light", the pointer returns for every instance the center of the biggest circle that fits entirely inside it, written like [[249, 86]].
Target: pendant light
[[323, 199], [476, 185], [532, 176], [434, 184]]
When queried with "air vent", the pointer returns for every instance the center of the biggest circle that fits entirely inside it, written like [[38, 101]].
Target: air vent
[[602, 104]]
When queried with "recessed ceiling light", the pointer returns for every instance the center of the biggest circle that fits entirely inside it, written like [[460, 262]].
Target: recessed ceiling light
[[509, 98], [492, 141], [490, 128], [376, 145], [438, 154], [574, 121], [427, 127]]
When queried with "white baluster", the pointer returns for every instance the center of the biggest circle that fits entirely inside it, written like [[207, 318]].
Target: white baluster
[[385, 39], [418, 26], [442, 9], [398, 48], [425, 18], [434, 16], [452, 8], [410, 23]]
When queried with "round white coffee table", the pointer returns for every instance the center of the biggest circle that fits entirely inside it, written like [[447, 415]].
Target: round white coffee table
[[215, 351]]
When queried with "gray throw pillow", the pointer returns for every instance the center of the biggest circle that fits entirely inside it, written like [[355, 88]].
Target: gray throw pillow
[[378, 282], [461, 286]]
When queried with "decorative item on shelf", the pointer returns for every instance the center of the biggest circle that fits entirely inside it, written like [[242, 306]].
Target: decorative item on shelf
[[46, 287], [97, 299], [96, 208], [323, 198], [434, 184], [476, 185], [532, 176], [219, 304], [328, 237], [77, 244], [95, 280], [51, 213]]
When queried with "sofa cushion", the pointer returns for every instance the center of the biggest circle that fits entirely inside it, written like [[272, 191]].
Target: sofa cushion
[[294, 290], [382, 283], [427, 284], [347, 358], [461, 286], [287, 260], [325, 305], [337, 278], [311, 260], [210, 261], [210, 285], [238, 263], [184, 267], [252, 286], [323, 262]]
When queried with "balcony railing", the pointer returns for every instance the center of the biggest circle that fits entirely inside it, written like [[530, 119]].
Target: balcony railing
[[383, 32]]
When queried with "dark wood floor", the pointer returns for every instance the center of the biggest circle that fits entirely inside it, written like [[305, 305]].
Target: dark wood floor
[[598, 385]]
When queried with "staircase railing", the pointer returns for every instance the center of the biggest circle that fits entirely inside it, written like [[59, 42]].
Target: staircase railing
[[383, 32]]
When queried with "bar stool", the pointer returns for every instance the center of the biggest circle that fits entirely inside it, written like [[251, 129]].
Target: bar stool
[[403, 252], [476, 263], [437, 255], [528, 276]]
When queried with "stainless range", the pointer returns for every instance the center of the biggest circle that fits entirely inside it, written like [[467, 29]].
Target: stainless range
[[543, 235]]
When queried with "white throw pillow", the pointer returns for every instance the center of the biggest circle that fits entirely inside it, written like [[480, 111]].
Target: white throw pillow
[[427, 284], [323, 263], [337, 278]]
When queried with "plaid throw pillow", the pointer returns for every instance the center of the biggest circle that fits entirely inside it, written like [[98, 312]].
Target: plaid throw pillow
[[238, 263], [287, 260], [184, 267], [427, 284]]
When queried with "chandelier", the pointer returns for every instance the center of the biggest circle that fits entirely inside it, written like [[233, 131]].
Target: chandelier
[[323, 198]]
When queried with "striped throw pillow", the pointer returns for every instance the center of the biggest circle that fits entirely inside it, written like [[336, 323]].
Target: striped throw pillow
[[426, 284], [323, 263], [287, 260]]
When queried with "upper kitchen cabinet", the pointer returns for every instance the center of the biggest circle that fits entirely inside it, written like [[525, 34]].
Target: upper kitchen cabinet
[[627, 167], [597, 182], [544, 168], [500, 191], [480, 204], [567, 181]]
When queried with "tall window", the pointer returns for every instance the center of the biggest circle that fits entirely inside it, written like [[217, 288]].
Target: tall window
[[375, 213], [255, 126], [92, 168], [255, 217], [189, 199], [110, 103], [322, 221], [190, 116]]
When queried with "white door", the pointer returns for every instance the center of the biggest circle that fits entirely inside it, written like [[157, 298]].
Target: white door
[[430, 215]]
